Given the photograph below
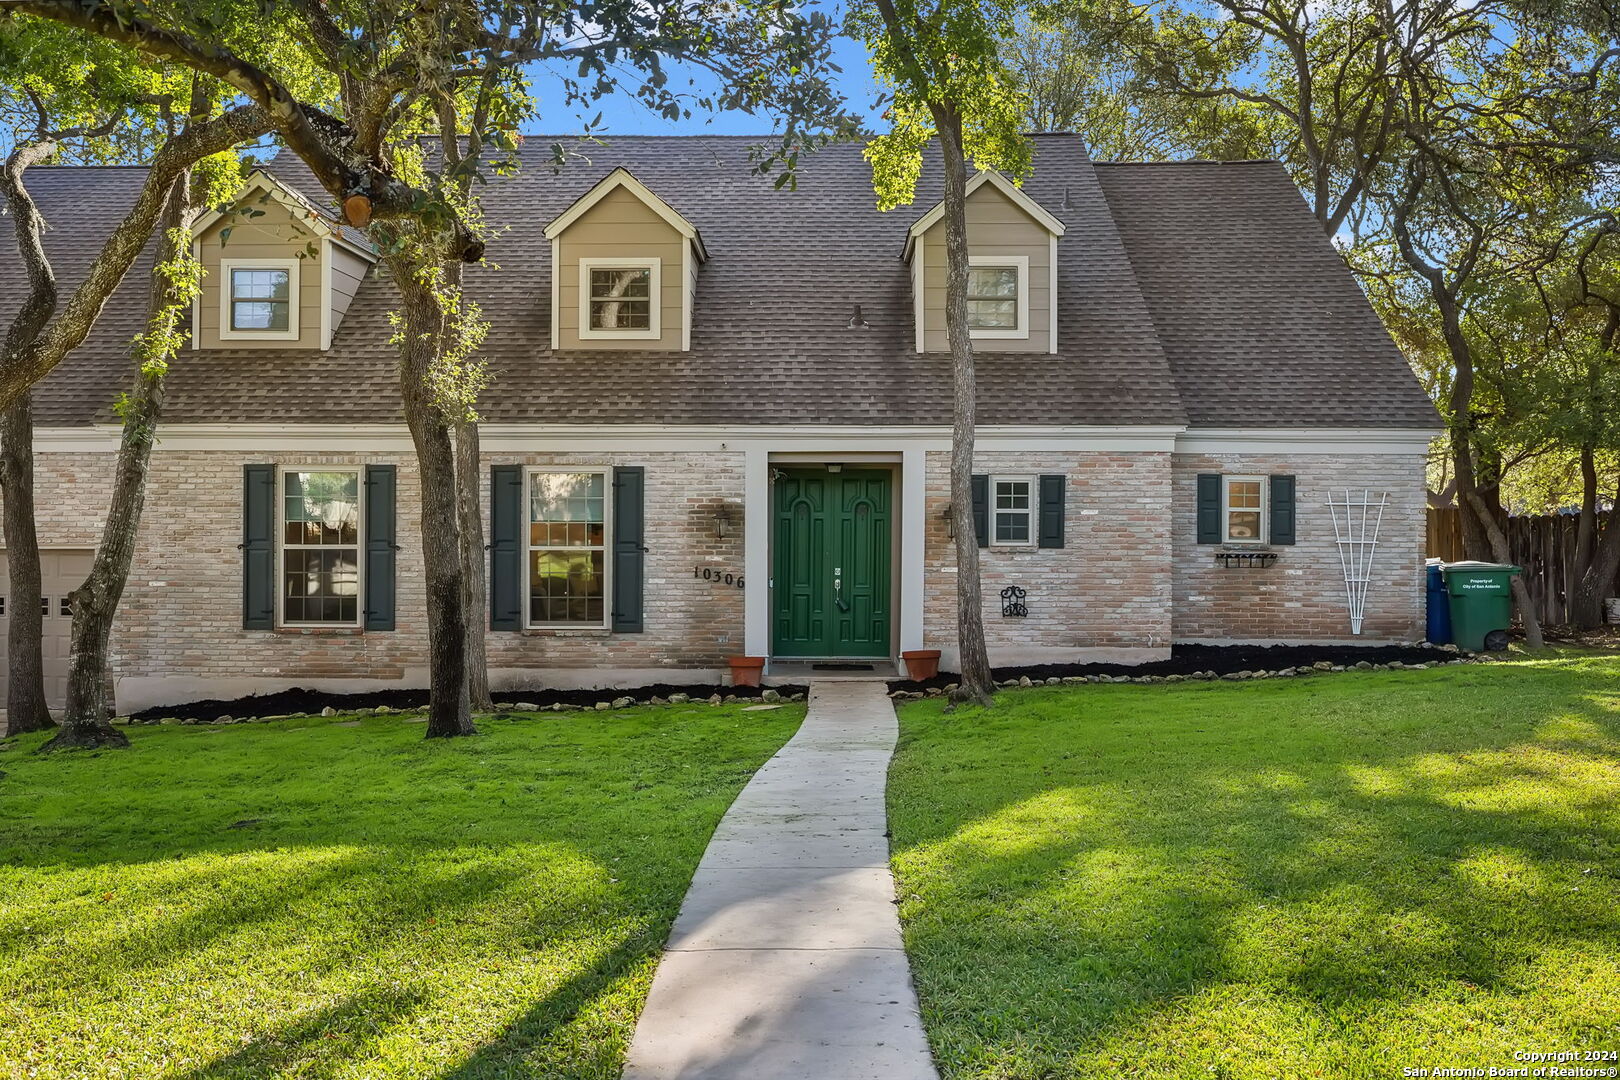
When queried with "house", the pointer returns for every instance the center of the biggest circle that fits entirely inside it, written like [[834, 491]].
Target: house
[[718, 424]]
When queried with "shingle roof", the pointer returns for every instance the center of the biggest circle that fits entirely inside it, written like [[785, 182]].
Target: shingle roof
[[1263, 323], [770, 343]]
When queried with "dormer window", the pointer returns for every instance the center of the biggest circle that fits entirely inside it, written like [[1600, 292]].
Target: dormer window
[[998, 296], [258, 297], [617, 298]]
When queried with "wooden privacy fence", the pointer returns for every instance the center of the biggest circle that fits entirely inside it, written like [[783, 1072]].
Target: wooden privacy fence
[[1544, 545]]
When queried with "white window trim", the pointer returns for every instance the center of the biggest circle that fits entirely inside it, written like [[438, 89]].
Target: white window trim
[[294, 300], [359, 545], [1030, 511], [1021, 264], [1226, 507], [529, 547], [655, 299]]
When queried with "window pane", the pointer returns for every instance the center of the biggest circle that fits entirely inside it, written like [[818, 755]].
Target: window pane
[[621, 298], [990, 282], [1012, 528], [1243, 494], [566, 586], [1243, 525], [320, 585], [260, 299], [321, 507], [1012, 494], [564, 498], [258, 315], [993, 314]]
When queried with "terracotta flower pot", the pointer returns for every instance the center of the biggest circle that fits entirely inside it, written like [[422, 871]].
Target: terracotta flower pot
[[746, 670], [921, 664]]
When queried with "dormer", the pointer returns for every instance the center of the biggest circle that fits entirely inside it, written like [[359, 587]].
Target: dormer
[[279, 272], [1012, 278], [623, 270]]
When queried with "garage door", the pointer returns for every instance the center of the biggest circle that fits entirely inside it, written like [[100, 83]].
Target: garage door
[[62, 572]]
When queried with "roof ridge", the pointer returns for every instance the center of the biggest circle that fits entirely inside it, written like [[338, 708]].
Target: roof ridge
[[1198, 161]]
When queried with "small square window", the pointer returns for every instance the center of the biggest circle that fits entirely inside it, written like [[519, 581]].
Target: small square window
[[993, 298], [261, 299], [619, 298], [65, 608], [1011, 513], [1244, 512]]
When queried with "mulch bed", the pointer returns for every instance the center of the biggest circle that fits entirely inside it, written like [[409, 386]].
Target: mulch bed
[[1221, 659], [298, 701]]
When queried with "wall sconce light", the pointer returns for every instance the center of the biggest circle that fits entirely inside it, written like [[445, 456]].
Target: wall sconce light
[[722, 521], [950, 521]]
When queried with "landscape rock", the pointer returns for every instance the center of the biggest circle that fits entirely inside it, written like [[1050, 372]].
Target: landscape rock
[[770, 695], [329, 711], [603, 706], [679, 699], [526, 706], [623, 702]]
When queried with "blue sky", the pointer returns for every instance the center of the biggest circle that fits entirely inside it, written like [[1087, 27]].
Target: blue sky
[[622, 114]]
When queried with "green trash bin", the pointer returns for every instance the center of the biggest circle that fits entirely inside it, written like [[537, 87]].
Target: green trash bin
[[1481, 600]]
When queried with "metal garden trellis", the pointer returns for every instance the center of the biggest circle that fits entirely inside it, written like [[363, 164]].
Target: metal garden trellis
[[1357, 543]]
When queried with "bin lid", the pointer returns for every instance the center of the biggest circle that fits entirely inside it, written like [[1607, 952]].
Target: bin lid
[[1474, 566]]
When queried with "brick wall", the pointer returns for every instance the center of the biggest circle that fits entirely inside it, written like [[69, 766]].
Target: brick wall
[[1301, 597], [181, 616], [1108, 587]]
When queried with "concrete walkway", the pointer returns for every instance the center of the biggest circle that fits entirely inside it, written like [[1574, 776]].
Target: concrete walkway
[[785, 962]]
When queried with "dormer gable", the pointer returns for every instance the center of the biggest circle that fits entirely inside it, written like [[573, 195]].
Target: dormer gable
[[624, 269], [1013, 259], [279, 272]]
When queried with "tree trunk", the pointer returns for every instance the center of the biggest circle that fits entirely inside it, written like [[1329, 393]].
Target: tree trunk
[[25, 663], [976, 685], [1499, 549], [469, 503], [449, 711], [1594, 579], [95, 603]]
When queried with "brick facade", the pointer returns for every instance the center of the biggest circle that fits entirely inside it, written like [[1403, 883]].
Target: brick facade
[[1129, 579], [1301, 597]]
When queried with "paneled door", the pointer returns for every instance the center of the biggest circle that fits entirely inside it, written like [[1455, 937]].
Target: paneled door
[[61, 572], [831, 563]]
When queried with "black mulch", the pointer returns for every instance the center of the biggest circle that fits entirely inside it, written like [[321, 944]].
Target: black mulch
[[295, 701], [1221, 659]]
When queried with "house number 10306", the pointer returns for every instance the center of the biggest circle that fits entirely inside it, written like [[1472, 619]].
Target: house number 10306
[[719, 577]]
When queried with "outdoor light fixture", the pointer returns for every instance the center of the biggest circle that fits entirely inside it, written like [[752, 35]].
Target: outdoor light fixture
[[722, 521], [857, 321], [950, 522]]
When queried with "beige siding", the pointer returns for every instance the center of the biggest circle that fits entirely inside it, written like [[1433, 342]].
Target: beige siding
[[273, 234], [621, 226], [348, 270], [996, 226]]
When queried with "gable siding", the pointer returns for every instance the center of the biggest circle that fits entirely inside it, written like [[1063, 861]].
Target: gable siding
[[276, 234], [621, 226], [348, 270], [996, 226]]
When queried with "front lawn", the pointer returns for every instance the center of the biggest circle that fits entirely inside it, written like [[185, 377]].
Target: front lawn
[[1339, 876], [331, 898]]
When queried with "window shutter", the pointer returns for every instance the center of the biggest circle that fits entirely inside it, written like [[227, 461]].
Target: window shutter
[[1282, 509], [1209, 508], [981, 510], [382, 540], [258, 547], [1051, 504], [506, 547], [629, 547]]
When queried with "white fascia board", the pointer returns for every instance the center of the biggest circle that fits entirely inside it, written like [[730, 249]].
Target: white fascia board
[[552, 438], [1001, 184], [622, 177], [293, 200], [1218, 441]]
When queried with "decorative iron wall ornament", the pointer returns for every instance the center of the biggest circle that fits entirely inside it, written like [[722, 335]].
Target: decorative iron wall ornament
[[1012, 603]]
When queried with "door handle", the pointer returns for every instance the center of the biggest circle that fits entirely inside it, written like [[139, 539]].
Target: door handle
[[838, 594]]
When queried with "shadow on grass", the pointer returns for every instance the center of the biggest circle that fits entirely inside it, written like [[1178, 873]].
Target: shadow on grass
[[1104, 859], [316, 1043]]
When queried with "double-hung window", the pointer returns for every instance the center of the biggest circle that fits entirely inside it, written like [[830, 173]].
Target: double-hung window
[[1011, 512], [1243, 509], [320, 546], [998, 296], [260, 299], [619, 298], [567, 548]]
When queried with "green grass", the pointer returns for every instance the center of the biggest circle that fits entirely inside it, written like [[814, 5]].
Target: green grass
[[317, 898], [1339, 876]]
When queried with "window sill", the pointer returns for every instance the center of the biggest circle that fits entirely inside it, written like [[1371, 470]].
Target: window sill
[[567, 631], [319, 631]]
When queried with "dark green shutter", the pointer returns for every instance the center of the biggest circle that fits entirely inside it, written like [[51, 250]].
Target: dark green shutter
[[629, 547], [506, 547], [258, 547], [981, 510], [1282, 509], [1051, 512], [1209, 508], [382, 541]]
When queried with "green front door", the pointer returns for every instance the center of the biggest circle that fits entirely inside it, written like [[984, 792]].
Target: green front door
[[830, 572]]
